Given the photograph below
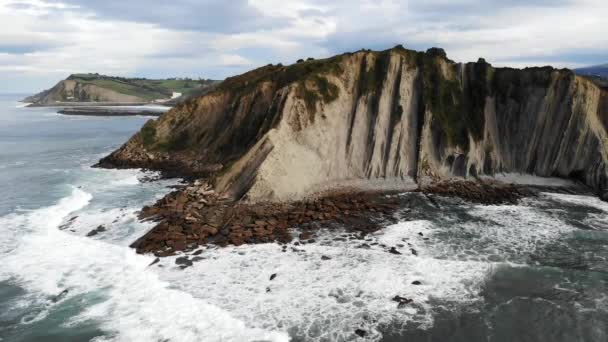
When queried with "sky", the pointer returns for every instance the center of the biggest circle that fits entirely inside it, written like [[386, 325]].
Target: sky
[[44, 41]]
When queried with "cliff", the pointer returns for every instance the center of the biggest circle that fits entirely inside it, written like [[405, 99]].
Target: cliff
[[285, 132], [100, 88]]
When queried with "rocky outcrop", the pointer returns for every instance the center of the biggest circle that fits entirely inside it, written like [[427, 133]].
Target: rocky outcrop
[[378, 119], [74, 91]]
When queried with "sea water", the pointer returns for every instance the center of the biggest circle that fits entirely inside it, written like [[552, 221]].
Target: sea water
[[536, 271]]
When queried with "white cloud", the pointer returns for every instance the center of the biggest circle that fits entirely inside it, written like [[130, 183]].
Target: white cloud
[[49, 39]]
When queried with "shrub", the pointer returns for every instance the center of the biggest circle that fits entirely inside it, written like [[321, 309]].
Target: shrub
[[148, 133]]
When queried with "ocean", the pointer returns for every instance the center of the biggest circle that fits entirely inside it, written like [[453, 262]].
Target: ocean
[[536, 271]]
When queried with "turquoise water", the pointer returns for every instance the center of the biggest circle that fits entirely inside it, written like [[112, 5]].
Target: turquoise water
[[537, 271]]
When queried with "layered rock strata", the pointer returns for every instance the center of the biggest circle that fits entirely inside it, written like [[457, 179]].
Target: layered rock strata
[[285, 132], [282, 146]]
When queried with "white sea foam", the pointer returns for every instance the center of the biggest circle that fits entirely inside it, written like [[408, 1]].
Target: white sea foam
[[326, 300], [22, 104], [527, 179], [504, 233], [132, 180], [591, 201], [138, 307], [329, 299], [228, 295]]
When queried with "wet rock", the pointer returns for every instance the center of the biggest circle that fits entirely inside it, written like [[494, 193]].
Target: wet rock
[[394, 250], [416, 282], [183, 261], [60, 296], [99, 229], [402, 301], [305, 236], [325, 257], [198, 252], [272, 276], [414, 252], [154, 262], [360, 332], [226, 223]]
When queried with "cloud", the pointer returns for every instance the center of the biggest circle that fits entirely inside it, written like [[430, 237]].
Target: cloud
[[48, 39], [200, 15]]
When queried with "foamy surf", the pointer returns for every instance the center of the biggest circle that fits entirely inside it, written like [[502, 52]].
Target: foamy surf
[[136, 305], [325, 291]]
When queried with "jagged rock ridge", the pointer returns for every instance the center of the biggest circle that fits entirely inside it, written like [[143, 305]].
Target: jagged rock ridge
[[284, 132]]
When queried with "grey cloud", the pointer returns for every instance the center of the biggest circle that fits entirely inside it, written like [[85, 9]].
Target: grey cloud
[[20, 49], [311, 12], [203, 15]]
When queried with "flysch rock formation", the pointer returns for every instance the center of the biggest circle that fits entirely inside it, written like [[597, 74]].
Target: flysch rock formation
[[381, 119]]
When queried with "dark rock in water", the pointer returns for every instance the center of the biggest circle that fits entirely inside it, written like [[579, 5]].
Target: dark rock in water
[[197, 258], [272, 276], [402, 301], [60, 296], [360, 332], [416, 282], [324, 257], [99, 229], [305, 236], [420, 234], [414, 252], [394, 250], [198, 252], [154, 262], [267, 289], [184, 261]]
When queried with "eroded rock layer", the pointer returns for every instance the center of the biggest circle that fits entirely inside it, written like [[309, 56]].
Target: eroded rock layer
[[286, 132]]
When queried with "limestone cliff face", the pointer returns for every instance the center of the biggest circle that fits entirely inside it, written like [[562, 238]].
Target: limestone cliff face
[[280, 133], [73, 91]]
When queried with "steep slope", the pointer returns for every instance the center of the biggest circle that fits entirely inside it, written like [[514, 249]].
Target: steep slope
[[100, 88], [282, 133]]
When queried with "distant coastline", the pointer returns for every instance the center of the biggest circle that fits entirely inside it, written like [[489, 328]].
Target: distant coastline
[[95, 104], [116, 110]]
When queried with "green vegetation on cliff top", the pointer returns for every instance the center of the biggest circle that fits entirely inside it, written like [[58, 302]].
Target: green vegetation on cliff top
[[147, 89]]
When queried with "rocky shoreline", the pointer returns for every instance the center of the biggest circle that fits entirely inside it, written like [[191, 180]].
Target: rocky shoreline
[[109, 111], [196, 215]]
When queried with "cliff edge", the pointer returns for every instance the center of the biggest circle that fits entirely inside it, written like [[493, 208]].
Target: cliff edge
[[396, 116]]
